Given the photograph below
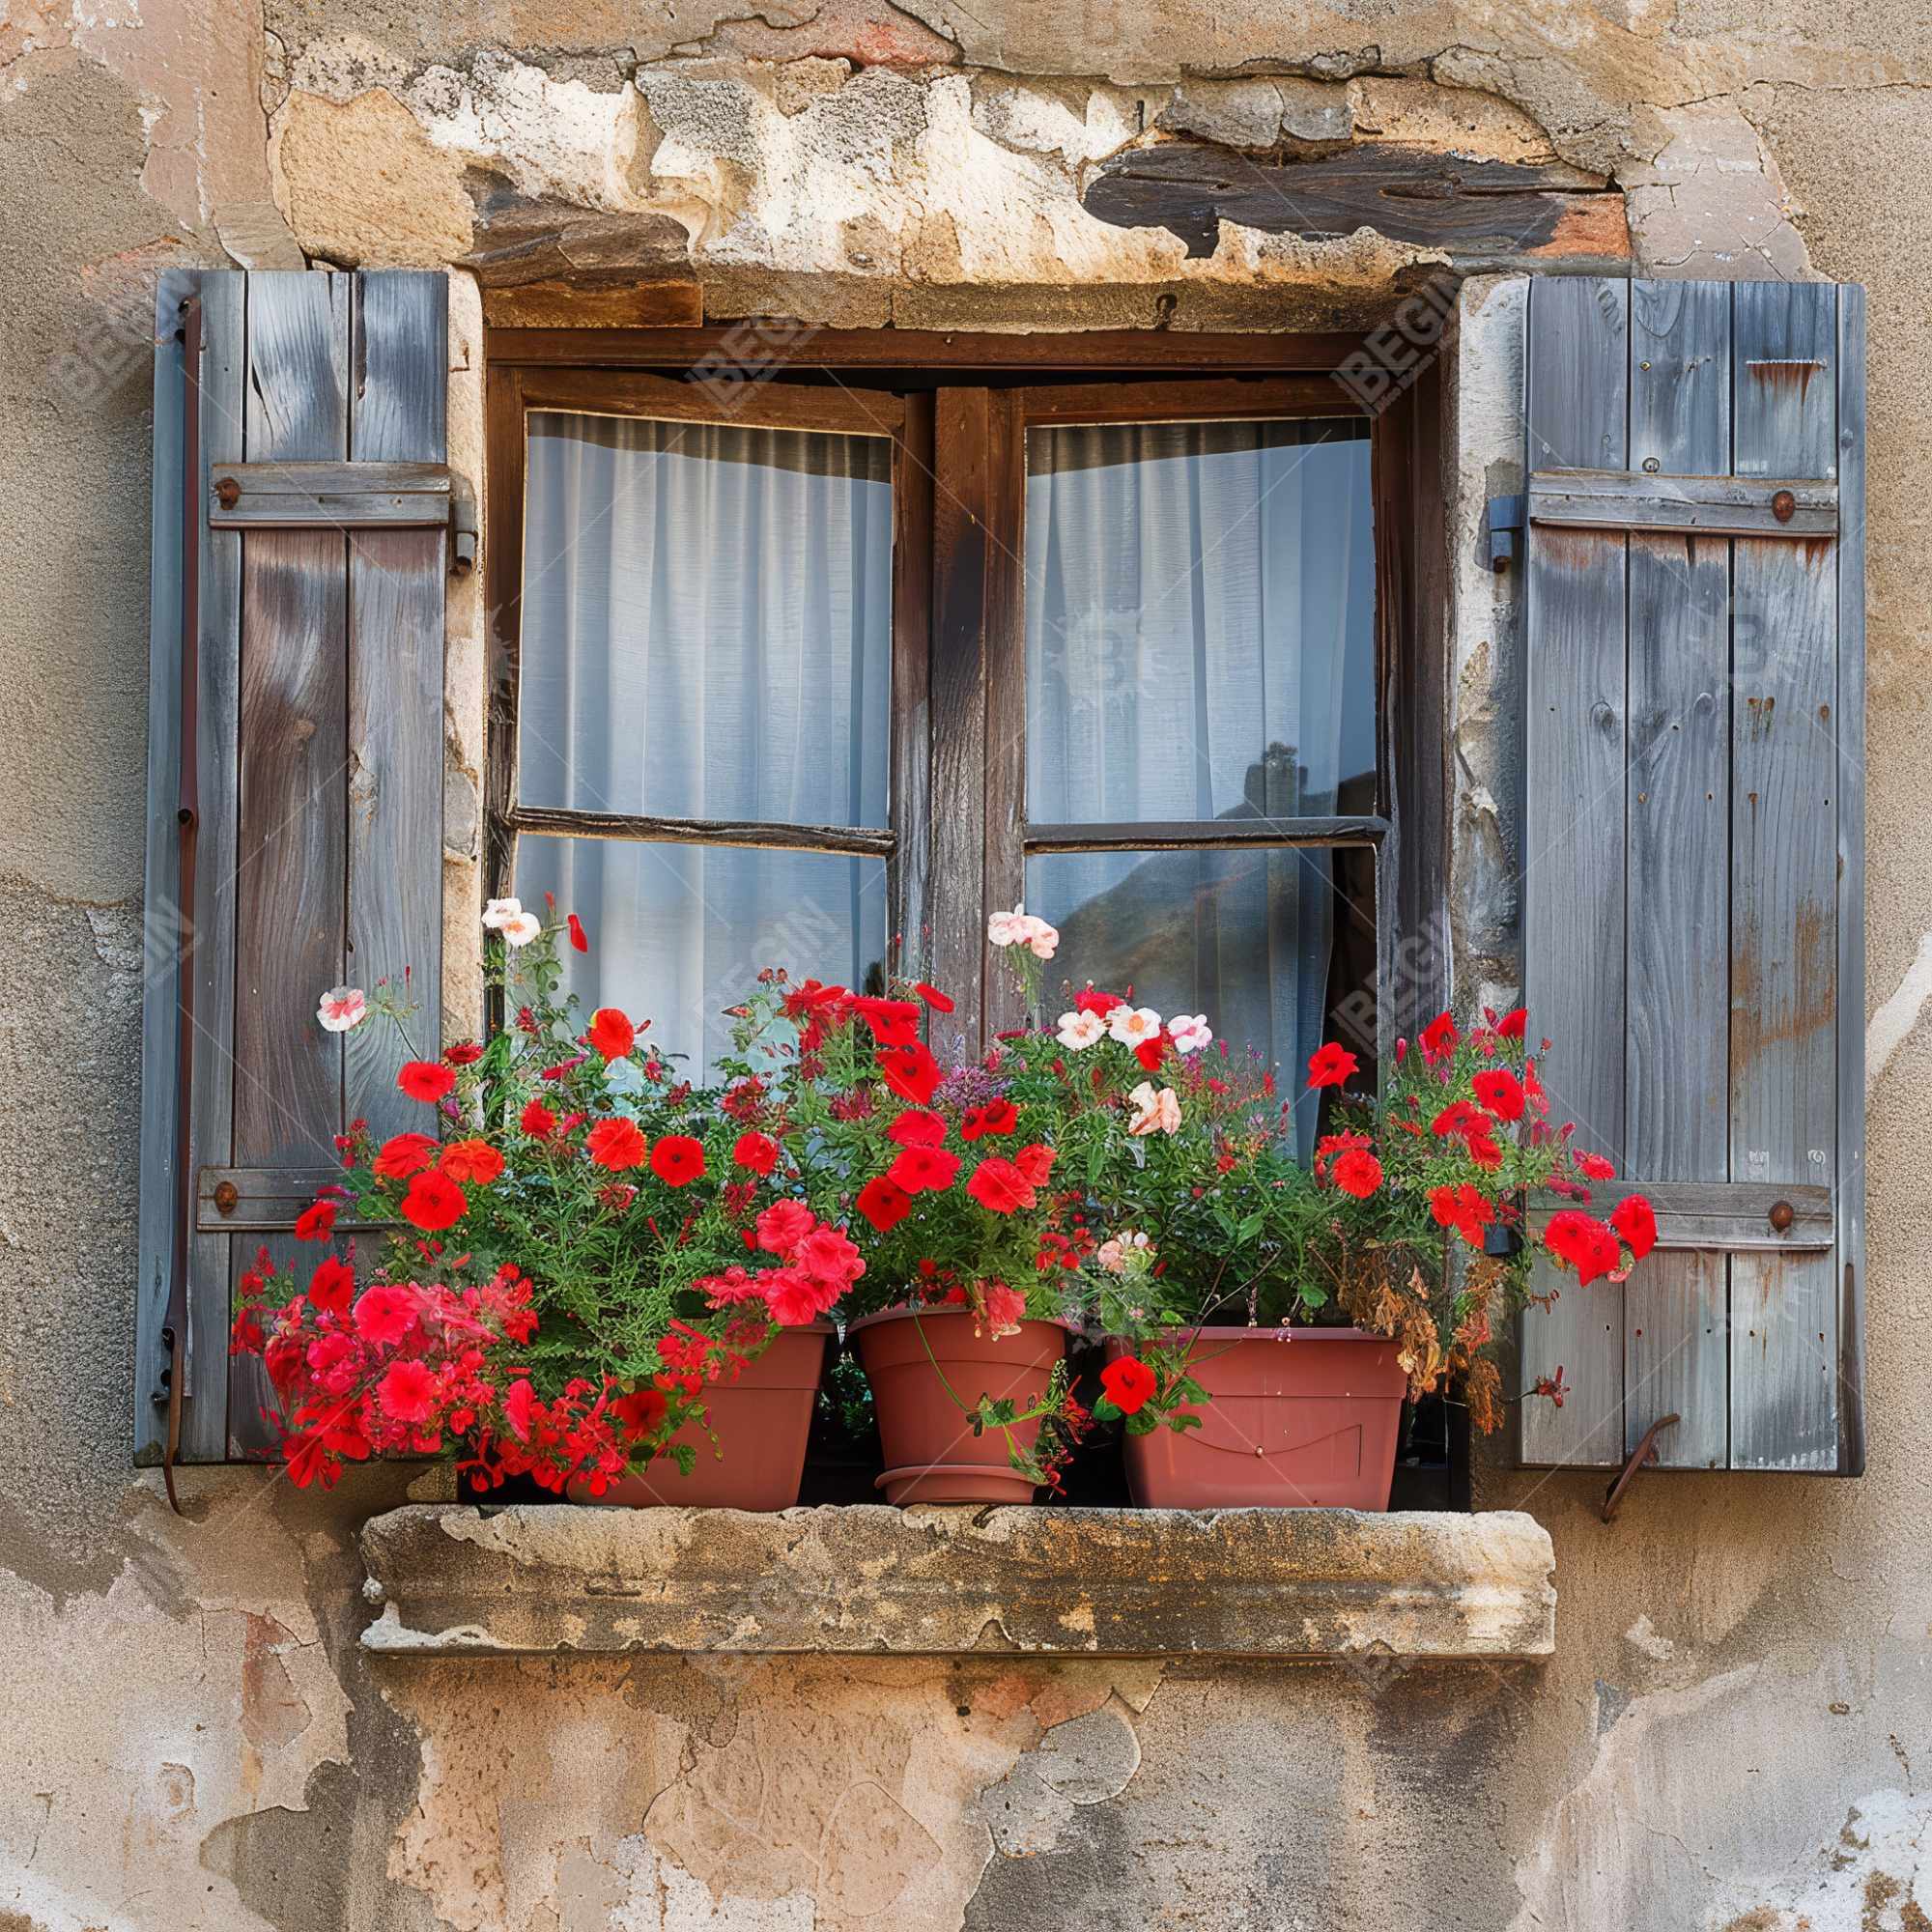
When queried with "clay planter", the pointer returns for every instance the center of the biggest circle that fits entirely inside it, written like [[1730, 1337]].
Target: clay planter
[[761, 1421], [1307, 1422], [930, 1451]]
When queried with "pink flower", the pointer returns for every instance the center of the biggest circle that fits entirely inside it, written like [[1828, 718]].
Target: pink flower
[[383, 1314], [342, 1009], [408, 1392], [1189, 1032], [1154, 1113], [784, 1224], [1004, 1307]]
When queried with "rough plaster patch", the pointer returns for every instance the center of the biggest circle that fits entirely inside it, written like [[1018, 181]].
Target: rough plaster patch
[[1656, 1646], [1083, 1761], [1713, 203], [1888, 1028], [1871, 1877]]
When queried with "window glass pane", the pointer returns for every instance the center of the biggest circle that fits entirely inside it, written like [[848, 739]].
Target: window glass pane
[[706, 621], [1276, 947], [679, 932], [1200, 621]]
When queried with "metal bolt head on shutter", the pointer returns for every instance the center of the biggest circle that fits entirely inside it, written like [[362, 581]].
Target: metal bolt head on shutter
[[1694, 908], [313, 640]]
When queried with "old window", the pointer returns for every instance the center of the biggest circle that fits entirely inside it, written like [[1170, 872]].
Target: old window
[[803, 668]]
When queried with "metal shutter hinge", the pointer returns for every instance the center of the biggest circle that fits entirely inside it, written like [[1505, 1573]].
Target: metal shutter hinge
[[1502, 530]]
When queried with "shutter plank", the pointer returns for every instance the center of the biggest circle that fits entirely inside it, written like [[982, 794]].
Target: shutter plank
[[211, 1116], [1678, 888], [1784, 942], [294, 778], [1575, 706], [1850, 1177], [395, 674]]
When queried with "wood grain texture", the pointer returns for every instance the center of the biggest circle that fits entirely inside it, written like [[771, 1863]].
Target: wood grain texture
[[1709, 506], [344, 496], [1575, 706], [290, 859], [394, 697], [768, 835], [1173, 835], [910, 761], [1720, 1213], [825, 408], [1678, 867], [223, 386], [1850, 733], [1254, 397], [1784, 841], [565, 304], [161, 1153], [1004, 880]]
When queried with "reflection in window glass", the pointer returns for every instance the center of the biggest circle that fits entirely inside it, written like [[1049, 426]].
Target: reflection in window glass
[[706, 621], [678, 933], [1200, 621], [1277, 947]]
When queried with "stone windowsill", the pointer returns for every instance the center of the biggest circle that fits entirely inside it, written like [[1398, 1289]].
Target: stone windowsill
[[540, 1581]]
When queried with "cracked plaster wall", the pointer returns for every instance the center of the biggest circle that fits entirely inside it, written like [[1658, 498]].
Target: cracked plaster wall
[[1736, 1726]]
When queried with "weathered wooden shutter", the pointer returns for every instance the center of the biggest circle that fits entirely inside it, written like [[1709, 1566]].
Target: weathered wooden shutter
[[301, 513], [1693, 856]]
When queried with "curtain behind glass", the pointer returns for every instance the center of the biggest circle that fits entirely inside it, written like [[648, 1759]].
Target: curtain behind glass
[[1201, 645], [706, 633]]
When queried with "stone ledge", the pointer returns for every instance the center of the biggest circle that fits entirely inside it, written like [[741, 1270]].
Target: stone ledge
[[542, 1581]]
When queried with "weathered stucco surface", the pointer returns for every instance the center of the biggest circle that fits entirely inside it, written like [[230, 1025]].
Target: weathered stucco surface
[[1734, 1727]]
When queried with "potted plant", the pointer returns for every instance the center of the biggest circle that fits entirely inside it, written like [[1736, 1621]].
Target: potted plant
[[1265, 1319], [535, 1303]]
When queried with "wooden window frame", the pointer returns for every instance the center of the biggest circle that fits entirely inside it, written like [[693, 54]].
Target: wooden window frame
[[959, 410]]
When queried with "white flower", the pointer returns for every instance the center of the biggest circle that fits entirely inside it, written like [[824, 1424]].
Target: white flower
[[499, 913], [1008, 929], [1189, 1032], [1113, 1254], [342, 1008], [1131, 1025], [1042, 938], [1154, 1113], [520, 927], [1078, 1031]]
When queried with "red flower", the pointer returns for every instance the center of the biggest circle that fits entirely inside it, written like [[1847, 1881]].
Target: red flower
[[517, 1408], [756, 1153], [434, 1203], [1330, 1064], [465, 1053], [579, 938], [922, 1170], [537, 1121], [1358, 1173], [474, 1162], [884, 1202], [679, 1160], [1001, 1186], [910, 1071], [1151, 1052], [384, 1315], [1485, 1153], [330, 1287], [404, 1155], [1584, 1243], [1036, 1162], [317, 1223], [1438, 1037], [1090, 1001], [425, 1080], [784, 1224], [407, 1393], [915, 1128], [1634, 1219], [1514, 1024], [1130, 1384], [1497, 1089], [641, 1411], [1464, 1208], [893, 1022], [610, 1034], [996, 1116], [618, 1143], [1460, 1118], [939, 1003]]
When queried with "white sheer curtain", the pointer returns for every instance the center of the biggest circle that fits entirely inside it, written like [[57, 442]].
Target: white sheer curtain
[[1200, 641], [705, 633]]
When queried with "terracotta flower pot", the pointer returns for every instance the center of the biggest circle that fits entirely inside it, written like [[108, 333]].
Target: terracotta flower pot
[[1306, 1423], [761, 1421], [932, 1454]]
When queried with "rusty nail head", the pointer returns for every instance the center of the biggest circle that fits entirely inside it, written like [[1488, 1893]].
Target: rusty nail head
[[228, 493], [227, 1197], [1783, 505], [1781, 1216]]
